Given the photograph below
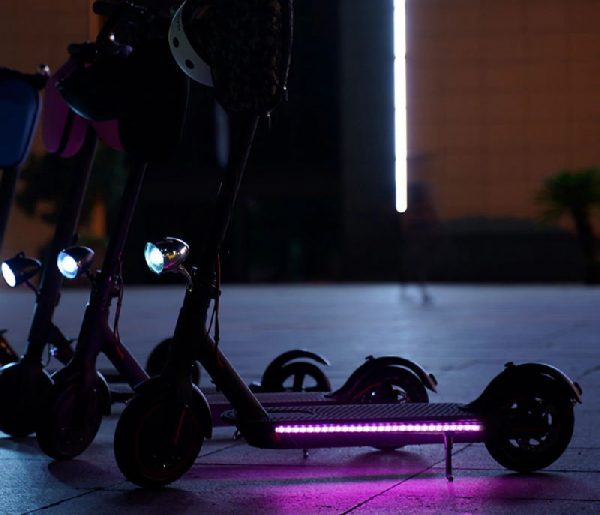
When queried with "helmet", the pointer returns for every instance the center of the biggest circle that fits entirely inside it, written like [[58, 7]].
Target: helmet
[[184, 53], [245, 46]]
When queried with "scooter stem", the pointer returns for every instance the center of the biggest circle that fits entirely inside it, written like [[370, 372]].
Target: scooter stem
[[7, 193], [66, 229], [242, 129], [198, 297], [102, 291], [92, 338]]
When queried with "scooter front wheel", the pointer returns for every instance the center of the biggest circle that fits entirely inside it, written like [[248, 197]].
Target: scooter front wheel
[[299, 376], [24, 389], [71, 419], [532, 428], [158, 358], [157, 438]]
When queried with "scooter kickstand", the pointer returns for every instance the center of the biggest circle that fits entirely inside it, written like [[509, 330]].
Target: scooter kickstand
[[448, 444]]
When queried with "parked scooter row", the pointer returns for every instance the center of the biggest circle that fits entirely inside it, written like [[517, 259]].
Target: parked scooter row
[[19, 106], [524, 416], [26, 385], [24, 382]]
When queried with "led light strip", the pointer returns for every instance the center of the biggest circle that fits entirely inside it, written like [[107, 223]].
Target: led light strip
[[426, 427]]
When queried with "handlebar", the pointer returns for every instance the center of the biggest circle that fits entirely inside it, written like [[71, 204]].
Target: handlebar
[[128, 22], [86, 52], [37, 80], [159, 8]]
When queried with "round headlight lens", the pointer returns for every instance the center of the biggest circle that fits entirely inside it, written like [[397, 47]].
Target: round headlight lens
[[154, 258], [8, 275]]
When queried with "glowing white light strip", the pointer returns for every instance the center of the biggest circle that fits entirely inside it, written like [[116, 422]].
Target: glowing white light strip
[[425, 427], [400, 105]]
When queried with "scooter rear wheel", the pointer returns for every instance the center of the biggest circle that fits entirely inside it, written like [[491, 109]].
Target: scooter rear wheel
[[71, 419], [543, 414], [157, 439], [391, 385]]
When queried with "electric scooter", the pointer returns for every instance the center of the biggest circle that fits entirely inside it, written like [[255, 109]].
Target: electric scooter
[[129, 76], [19, 112], [23, 381], [73, 414], [524, 416]]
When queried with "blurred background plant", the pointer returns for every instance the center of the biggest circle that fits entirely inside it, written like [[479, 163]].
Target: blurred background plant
[[47, 178], [575, 194]]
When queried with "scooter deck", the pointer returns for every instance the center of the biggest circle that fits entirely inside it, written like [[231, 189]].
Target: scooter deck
[[219, 404], [378, 425]]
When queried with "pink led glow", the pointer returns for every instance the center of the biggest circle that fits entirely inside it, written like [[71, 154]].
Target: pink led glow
[[383, 427]]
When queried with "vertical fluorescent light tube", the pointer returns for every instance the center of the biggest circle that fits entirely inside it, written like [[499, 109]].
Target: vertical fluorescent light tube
[[400, 104]]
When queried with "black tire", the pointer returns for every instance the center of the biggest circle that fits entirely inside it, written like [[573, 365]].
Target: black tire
[[304, 376], [390, 385], [158, 357], [157, 439], [24, 389], [71, 419], [543, 404]]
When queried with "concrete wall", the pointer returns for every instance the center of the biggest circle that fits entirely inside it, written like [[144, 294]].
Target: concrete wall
[[38, 31], [501, 94], [33, 32]]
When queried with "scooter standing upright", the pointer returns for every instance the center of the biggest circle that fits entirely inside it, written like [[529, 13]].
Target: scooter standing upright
[[19, 111], [130, 77], [24, 383], [64, 434], [524, 416]]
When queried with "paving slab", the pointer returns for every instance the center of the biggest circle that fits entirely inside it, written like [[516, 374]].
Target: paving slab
[[464, 337]]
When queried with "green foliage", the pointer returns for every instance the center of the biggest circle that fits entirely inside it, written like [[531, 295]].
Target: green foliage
[[47, 178], [576, 194], [569, 192]]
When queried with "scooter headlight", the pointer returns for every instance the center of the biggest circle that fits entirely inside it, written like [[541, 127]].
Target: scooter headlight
[[74, 261], [166, 255], [19, 269]]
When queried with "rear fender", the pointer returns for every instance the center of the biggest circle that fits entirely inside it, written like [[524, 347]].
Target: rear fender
[[515, 378], [372, 364]]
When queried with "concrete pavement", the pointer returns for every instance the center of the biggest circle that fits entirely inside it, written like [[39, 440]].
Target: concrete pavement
[[464, 337]]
